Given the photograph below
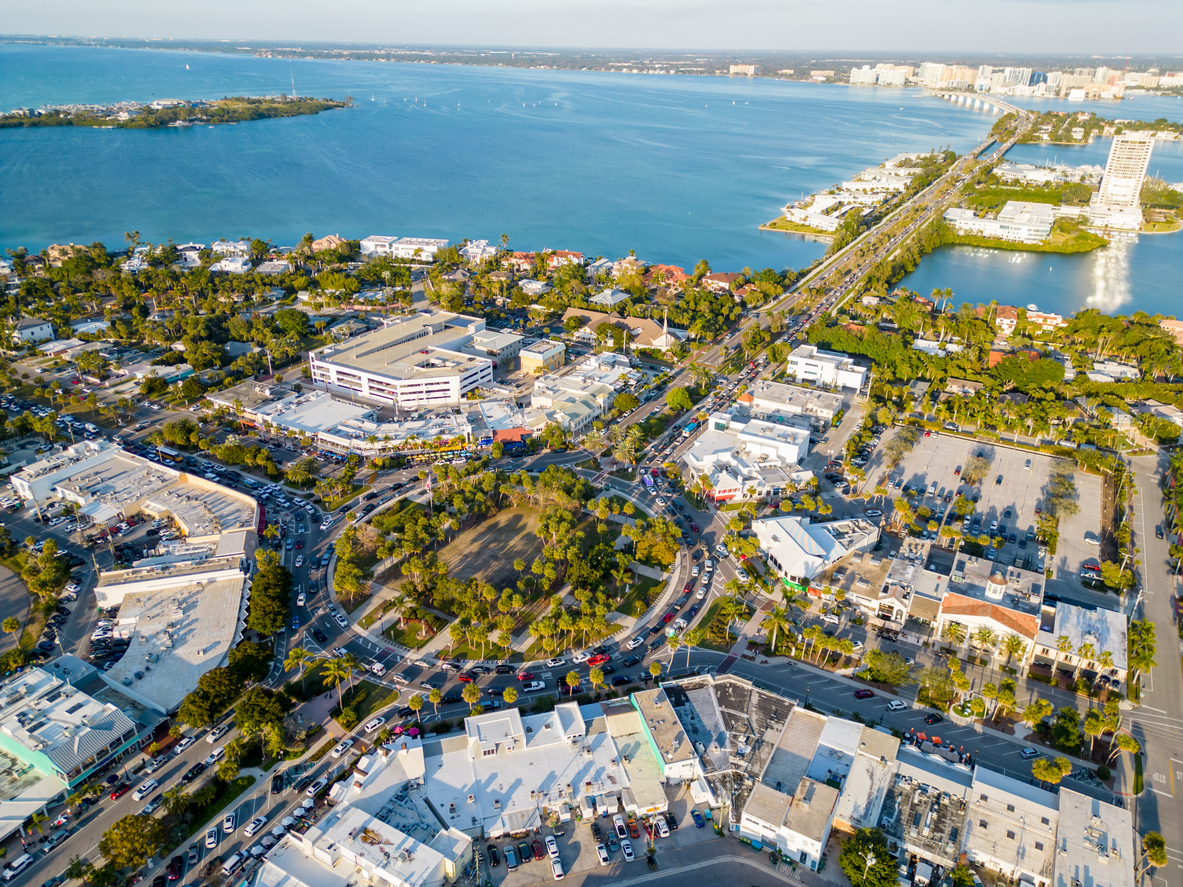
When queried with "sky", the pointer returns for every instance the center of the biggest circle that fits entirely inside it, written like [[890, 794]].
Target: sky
[[1110, 27]]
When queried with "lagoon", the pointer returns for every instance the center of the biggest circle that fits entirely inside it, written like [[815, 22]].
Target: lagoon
[[676, 168]]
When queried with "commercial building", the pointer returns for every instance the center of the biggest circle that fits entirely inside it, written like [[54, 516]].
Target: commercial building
[[543, 356], [1117, 204], [1016, 221], [59, 726], [1011, 828], [779, 402], [808, 363], [415, 362], [925, 807], [799, 549], [1088, 634], [1094, 843], [748, 458], [983, 594]]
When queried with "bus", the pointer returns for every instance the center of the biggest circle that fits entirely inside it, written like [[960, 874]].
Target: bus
[[689, 429], [170, 455]]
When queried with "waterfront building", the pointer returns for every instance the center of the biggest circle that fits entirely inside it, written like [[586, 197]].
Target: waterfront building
[[232, 264], [745, 70], [378, 245], [807, 363], [476, 251], [1118, 202], [329, 241], [415, 362], [1016, 221], [231, 248]]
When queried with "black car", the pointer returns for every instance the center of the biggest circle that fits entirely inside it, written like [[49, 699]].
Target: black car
[[369, 496], [321, 637], [631, 661], [606, 669], [933, 718], [277, 784], [192, 773], [494, 857], [596, 832], [406, 712], [621, 680], [481, 669], [505, 669], [671, 821], [159, 881], [495, 691], [452, 698], [1158, 532]]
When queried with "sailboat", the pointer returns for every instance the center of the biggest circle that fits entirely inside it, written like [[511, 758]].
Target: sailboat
[[186, 67]]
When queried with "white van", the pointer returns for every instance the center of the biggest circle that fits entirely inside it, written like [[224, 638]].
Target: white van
[[231, 865], [17, 866], [830, 619]]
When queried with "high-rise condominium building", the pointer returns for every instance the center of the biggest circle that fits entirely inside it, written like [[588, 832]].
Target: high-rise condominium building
[[1117, 204]]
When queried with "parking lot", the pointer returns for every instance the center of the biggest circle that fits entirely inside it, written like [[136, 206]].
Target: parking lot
[[1014, 486], [577, 849]]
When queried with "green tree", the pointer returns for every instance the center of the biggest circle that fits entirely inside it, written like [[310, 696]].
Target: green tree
[[11, 625], [132, 840], [471, 694], [299, 658], [251, 661], [336, 670], [1154, 850], [866, 861], [415, 704], [887, 667], [1066, 734], [435, 697], [678, 399], [510, 696]]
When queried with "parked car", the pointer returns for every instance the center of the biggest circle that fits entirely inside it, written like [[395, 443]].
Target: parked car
[[863, 694]]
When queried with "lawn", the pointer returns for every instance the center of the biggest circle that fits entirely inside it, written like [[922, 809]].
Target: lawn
[[411, 636], [310, 685], [367, 697], [717, 635], [489, 549], [640, 596], [354, 492]]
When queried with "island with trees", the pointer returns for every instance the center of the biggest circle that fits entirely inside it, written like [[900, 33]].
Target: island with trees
[[134, 115]]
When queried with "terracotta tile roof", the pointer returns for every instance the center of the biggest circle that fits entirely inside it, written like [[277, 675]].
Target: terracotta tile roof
[[1022, 624]]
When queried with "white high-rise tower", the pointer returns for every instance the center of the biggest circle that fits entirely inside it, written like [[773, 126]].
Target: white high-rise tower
[[1117, 204]]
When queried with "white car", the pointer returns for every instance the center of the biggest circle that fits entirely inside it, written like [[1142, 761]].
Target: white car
[[230, 822], [146, 789], [556, 662], [626, 847], [709, 565], [374, 724], [618, 824], [301, 598], [342, 747], [218, 733], [701, 593], [299, 560], [721, 551], [897, 705], [742, 575], [342, 621], [552, 847], [340, 652], [873, 512], [211, 838], [602, 852], [662, 828], [215, 756], [635, 642], [183, 744], [533, 686], [697, 569], [317, 786], [255, 824], [581, 656], [556, 869], [705, 580]]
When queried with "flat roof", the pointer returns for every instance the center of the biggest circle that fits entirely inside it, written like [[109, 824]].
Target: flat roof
[[1104, 629], [1095, 843], [778, 396], [795, 750], [417, 346], [180, 626], [663, 724], [812, 808], [48, 716]]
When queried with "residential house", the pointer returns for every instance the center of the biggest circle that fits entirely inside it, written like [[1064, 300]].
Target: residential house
[[329, 241], [30, 330], [721, 281]]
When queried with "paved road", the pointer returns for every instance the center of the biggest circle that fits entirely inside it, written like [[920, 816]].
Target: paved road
[[1158, 724]]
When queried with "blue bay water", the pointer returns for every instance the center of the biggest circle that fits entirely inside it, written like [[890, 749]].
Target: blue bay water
[[1120, 278], [677, 168]]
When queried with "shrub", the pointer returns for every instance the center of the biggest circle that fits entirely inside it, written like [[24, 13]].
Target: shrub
[[1103, 773], [347, 719]]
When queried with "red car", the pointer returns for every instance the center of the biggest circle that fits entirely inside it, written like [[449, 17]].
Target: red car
[[299, 543], [668, 617], [464, 678], [119, 791], [694, 528], [539, 853], [525, 675], [633, 830], [863, 694], [687, 588], [599, 659]]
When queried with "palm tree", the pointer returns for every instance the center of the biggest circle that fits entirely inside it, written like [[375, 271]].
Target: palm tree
[[435, 697], [336, 670], [11, 625], [1142, 647], [1085, 652], [655, 668], [954, 633], [793, 602], [595, 677], [1104, 659], [510, 696], [299, 658], [1012, 646], [1063, 648], [985, 637], [673, 643], [472, 695], [415, 703], [778, 619], [693, 638]]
